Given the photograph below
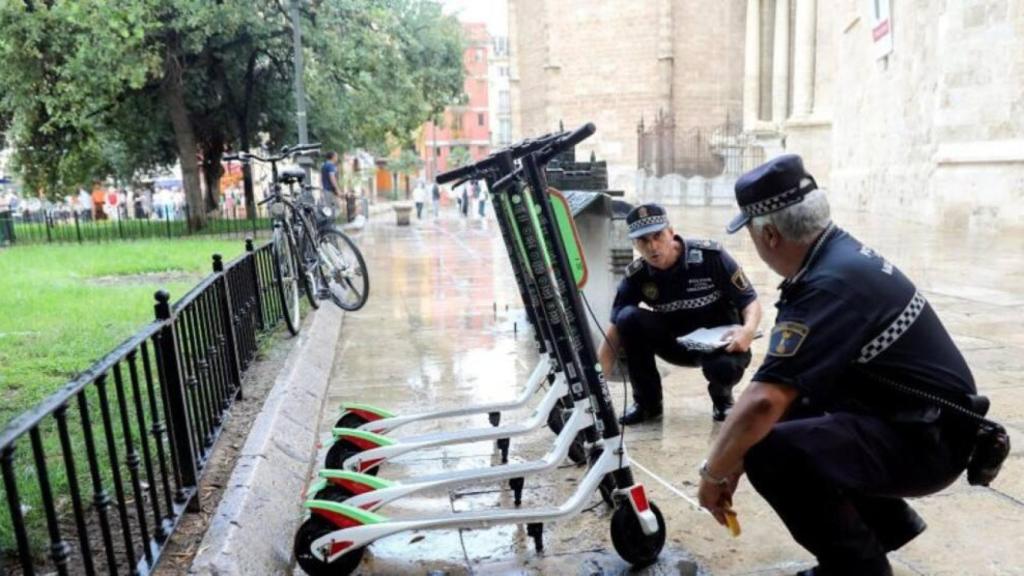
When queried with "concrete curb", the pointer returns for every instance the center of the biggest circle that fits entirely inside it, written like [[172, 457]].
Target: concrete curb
[[251, 531]]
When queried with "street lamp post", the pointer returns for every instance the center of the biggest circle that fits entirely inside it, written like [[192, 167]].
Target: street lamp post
[[300, 88]]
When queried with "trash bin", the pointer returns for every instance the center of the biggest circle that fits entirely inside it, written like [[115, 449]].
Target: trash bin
[[402, 211]]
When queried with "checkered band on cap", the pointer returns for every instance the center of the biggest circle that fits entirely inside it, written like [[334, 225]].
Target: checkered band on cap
[[688, 303], [779, 201], [891, 334], [641, 223]]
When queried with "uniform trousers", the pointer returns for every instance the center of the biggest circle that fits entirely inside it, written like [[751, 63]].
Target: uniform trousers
[[646, 334], [838, 481]]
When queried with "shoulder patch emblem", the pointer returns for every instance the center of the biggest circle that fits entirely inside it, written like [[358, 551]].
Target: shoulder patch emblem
[[739, 280], [708, 245], [634, 267], [694, 256], [787, 338], [650, 291]]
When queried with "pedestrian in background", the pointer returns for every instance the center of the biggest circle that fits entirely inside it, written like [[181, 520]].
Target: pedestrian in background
[[419, 196], [329, 181], [435, 198]]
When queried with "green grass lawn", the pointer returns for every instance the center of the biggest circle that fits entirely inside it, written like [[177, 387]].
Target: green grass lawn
[[63, 307]]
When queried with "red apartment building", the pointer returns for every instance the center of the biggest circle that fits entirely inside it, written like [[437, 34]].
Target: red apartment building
[[466, 125]]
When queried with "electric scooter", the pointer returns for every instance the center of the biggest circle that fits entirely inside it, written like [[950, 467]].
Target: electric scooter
[[371, 493], [333, 539], [365, 448]]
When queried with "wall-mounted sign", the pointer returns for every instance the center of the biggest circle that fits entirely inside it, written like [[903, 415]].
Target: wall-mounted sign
[[881, 26]]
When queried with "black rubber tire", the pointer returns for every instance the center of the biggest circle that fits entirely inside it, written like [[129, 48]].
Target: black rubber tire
[[307, 239], [341, 451], [350, 420], [577, 453], [607, 488], [315, 527], [283, 251], [334, 493], [629, 539], [555, 419], [339, 243]]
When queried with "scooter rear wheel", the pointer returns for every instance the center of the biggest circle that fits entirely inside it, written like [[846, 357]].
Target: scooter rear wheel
[[350, 420], [341, 451], [607, 489], [334, 493], [630, 542], [308, 532]]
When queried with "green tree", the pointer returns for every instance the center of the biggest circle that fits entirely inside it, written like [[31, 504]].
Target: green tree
[[99, 89], [459, 157], [408, 164]]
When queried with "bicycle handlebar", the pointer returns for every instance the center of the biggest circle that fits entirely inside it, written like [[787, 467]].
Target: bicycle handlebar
[[286, 152]]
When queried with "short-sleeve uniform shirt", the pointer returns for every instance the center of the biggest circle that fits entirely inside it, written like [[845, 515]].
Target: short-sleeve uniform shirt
[[849, 314], [704, 288], [326, 170]]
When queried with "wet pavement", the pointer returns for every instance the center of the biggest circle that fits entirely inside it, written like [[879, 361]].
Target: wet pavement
[[444, 328]]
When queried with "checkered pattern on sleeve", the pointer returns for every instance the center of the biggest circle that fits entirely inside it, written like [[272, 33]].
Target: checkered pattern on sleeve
[[688, 303], [777, 202], [648, 221], [890, 335]]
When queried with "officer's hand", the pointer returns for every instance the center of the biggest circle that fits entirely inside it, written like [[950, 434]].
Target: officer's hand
[[739, 339], [716, 498]]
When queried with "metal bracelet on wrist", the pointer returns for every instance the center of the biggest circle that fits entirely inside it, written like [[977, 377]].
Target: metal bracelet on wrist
[[706, 475]]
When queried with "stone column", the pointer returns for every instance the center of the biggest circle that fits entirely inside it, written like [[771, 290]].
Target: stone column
[[780, 63], [803, 58], [752, 65]]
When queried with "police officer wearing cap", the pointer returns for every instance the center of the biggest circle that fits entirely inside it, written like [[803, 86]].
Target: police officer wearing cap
[[685, 284], [822, 432]]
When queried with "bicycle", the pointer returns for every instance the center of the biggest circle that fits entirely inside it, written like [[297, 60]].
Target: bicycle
[[342, 269], [294, 239]]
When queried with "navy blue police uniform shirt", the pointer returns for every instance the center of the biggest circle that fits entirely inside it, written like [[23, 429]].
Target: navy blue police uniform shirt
[[848, 314], [703, 289]]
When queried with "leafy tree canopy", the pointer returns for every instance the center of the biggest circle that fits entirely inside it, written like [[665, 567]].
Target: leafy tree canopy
[[99, 89]]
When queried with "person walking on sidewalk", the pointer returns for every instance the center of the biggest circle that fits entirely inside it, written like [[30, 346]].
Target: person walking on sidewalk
[[419, 196], [685, 285], [329, 182], [435, 199]]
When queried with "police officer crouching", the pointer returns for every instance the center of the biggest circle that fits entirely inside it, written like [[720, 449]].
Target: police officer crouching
[[685, 285], [822, 431]]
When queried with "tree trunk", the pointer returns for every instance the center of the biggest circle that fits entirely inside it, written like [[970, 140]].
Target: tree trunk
[[173, 92], [213, 170]]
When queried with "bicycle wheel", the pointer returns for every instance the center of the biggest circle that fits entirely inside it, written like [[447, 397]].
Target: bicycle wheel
[[286, 276], [343, 270], [306, 257]]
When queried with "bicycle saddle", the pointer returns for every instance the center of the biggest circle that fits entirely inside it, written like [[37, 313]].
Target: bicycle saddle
[[291, 175]]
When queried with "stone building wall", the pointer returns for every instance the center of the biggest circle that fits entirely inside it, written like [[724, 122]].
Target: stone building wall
[[938, 133], [615, 61]]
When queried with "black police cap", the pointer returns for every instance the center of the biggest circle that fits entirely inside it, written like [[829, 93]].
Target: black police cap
[[646, 219], [772, 186]]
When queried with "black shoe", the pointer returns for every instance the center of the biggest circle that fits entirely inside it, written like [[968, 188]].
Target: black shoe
[[637, 414], [720, 407]]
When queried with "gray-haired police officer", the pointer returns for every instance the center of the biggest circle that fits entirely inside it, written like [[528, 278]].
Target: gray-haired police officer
[[687, 284], [831, 448]]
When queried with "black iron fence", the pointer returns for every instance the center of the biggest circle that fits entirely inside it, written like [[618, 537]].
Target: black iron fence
[[664, 148], [98, 475], [64, 226]]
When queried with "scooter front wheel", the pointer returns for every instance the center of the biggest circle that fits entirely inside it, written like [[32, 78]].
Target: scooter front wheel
[[316, 527], [630, 542], [342, 450]]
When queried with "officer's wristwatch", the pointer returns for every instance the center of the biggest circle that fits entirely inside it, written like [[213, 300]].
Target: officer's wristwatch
[[707, 476]]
